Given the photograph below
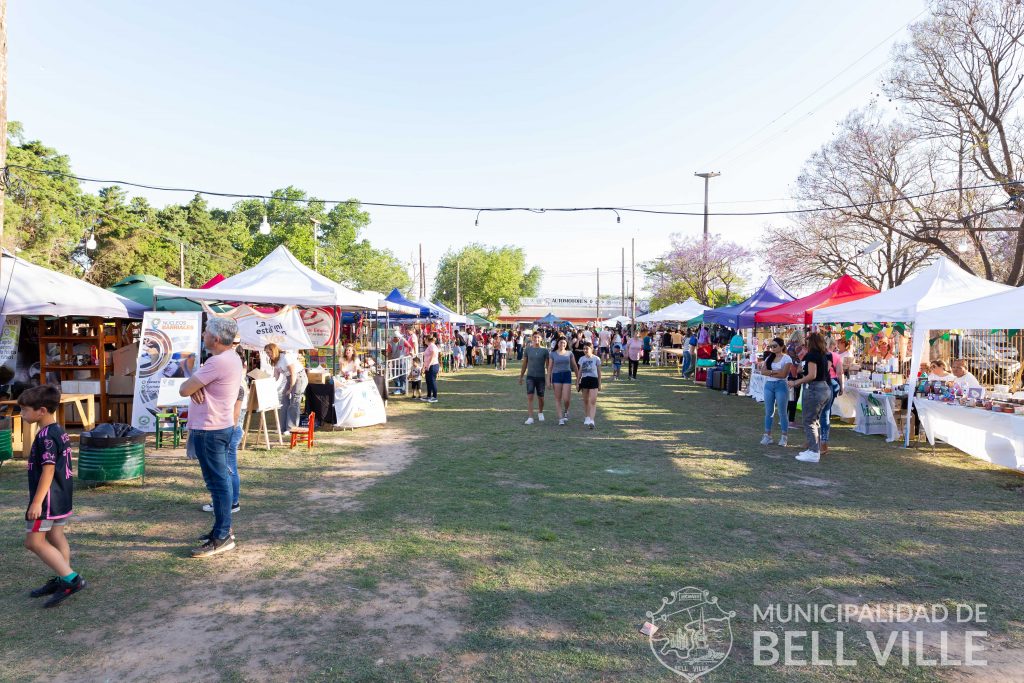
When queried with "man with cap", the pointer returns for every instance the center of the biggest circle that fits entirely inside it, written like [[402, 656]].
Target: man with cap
[[400, 348]]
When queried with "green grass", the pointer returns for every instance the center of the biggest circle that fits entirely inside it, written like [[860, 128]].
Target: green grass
[[539, 548]]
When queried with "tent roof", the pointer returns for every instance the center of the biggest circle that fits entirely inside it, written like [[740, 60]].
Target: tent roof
[[996, 311], [385, 304], [675, 313], [453, 317], [33, 290], [741, 315], [612, 322], [278, 279], [421, 311], [436, 310], [940, 284], [139, 288], [478, 319], [549, 319], [799, 311]]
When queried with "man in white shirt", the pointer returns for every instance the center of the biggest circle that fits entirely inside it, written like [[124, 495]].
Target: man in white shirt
[[964, 379]]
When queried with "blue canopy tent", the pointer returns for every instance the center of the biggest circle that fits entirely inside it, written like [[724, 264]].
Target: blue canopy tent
[[396, 296], [741, 316], [453, 317], [549, 319]]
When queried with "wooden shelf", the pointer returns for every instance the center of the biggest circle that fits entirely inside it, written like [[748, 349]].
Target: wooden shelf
[[72, 367]]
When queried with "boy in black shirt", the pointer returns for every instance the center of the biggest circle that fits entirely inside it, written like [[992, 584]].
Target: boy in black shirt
[[50, 485]]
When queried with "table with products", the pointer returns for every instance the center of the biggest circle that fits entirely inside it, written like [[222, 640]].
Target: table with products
[[358, 404], [874, 412], [995, 437]]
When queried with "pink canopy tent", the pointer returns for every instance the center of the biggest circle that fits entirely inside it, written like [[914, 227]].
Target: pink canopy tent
[[800, 311]]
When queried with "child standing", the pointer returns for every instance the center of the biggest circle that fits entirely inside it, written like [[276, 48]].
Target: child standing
[[616, 361], [50, 486], [415, 377]]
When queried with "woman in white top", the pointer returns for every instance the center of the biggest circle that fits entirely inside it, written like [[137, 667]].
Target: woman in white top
[[292, 377], [775, 369], [938, 372]]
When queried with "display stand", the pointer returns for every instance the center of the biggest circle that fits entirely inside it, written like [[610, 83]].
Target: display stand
[[262, 400]]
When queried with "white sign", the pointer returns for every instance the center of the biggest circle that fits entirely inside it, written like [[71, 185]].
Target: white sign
[[169, 349], [283, 328], [9, 342], [320, 325]]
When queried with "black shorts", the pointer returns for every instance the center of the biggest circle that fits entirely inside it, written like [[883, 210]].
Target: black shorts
[[590, 383], [415, 384], [535, 385]]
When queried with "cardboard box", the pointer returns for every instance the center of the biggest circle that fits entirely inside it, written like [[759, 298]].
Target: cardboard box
[[69, 387], [318, 376], [121, 386], [126, 359], [91, 386], [257, 374]]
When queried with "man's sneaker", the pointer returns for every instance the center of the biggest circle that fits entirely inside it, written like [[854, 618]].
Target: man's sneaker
[[529, 421], [561, 422], [540, 417], [783, 440], [206, 537], [431, 400], [809, 456], [48, 588], [214, 546], [209, 508], [65, 591], [766, 440]]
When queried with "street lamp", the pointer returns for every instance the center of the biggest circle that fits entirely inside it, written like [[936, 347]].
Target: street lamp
[[863, 251], [265, 226], [706, 176]]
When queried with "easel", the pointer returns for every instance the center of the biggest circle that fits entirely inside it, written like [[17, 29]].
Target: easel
[[263, 399]]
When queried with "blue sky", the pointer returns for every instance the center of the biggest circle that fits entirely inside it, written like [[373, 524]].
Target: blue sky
[[537, 104]]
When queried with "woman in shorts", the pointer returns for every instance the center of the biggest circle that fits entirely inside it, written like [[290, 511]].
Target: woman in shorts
[[561, 367], [589, 375]]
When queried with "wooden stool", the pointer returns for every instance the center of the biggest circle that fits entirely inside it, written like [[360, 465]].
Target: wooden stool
[[308, 436]]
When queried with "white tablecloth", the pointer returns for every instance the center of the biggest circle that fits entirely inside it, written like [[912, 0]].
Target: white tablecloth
[[995, 437], [358, 404], [877, 416]]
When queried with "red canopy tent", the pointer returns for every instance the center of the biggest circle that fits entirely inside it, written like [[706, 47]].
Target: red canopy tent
[[799, 311]]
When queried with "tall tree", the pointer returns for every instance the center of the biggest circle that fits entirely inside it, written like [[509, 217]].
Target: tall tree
[[488, 277], [961, 77], [710, 270], [875, 166]]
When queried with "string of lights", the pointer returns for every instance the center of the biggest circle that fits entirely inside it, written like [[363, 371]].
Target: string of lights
[[501, 209]]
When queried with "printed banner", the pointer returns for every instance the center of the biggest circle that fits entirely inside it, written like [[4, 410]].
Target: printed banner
[[283, 328], [321, 325], [169, 348], [11, 330]]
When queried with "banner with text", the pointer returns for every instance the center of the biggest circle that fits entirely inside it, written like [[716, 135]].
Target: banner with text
[[169, 349]]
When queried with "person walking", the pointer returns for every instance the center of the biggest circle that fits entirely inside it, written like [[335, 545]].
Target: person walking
[[816, 392], [604, 341], [634, 349], [837, 385], [213, 391], [589, 378], [432, 365], [561, 368], [776, 393], [534, 370], [648, 340]]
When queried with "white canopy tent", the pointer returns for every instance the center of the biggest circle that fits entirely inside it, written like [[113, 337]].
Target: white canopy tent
[[28, 289], [454, 318], [383, 304], [675, 313], [278, 279], [617, 320], [941, 284]]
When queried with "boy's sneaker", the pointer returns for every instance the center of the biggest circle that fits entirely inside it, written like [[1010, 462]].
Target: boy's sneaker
[[65, 591], [214, 546], [209, 508], [529, 421], [540, 417], [48, 588], [783, 440], [766, 440], [592, 424]]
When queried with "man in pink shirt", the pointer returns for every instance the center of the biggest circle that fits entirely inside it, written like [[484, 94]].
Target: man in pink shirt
[[213, 390], [634, 349]]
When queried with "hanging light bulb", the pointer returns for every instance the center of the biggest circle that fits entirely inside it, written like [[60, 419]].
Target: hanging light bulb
[[265, 226], [963, 247], [91, 243]]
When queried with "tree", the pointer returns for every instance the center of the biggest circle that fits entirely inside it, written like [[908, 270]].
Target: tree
[[961, 76], [364, 267], [708, 269], [489, 276], [874, 165]]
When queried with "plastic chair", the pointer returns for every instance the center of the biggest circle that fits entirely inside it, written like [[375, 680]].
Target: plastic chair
[[168, 422], [308, 436]]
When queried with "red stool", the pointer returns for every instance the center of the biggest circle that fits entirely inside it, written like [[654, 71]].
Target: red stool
[[308, 436]]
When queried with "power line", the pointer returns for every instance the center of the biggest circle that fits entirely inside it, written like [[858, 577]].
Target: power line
[[496, 209]]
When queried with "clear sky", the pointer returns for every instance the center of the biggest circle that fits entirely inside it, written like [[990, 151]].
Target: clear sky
[[566, 103]]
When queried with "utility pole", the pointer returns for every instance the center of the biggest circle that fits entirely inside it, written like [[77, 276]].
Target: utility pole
[[458, 287], [632, 304], [3, 108], [622, 301], [316, 245], [706, 176], [181, 263], [598, 318], [422, 277]]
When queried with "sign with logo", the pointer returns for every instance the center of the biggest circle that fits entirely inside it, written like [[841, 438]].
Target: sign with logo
[[321, 325], [691, 634], [283, 328], [169, 349], [10, 330]]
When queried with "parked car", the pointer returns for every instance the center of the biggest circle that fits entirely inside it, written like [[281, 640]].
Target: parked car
[[992, 358]]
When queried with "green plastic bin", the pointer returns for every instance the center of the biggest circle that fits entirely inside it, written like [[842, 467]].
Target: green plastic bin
[[6, 445], [112, 459]]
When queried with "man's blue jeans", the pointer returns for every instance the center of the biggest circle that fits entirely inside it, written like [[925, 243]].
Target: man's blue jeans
[[212, 452], [232, 462]]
